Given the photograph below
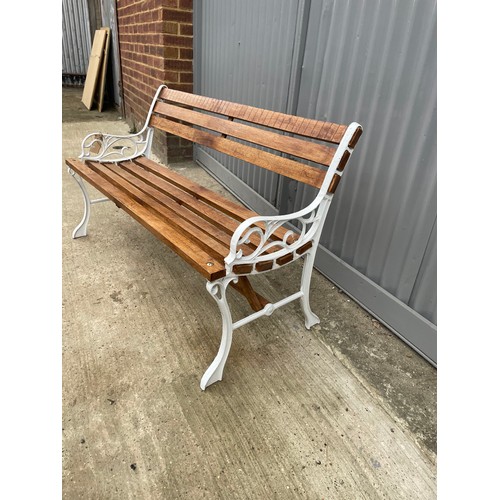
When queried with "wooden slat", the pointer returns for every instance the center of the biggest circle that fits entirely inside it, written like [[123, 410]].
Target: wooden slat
[[242, 268], [203, 262], [285, 259], [329, 132], [304, 248], [234, 210], [210, 221], [205, 224], [256, 301], [192, 231], [283, 166], [215, 217], [215, 200], [264, 266], [355, 137], [162, 182], [318, 153]]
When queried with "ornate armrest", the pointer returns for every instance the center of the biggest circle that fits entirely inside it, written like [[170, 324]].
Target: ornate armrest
[[114, 148], [309, 222]]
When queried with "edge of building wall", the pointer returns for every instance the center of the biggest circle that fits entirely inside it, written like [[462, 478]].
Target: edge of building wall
[[410, 326]]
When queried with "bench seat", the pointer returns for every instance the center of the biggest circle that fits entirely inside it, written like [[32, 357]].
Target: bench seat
[[192, 220]]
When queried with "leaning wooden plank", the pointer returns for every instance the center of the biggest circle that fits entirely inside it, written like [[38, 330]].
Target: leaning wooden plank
[[283, 166], [203, 262], [300, 148], [330, 132], [95, 61], [102, 78]]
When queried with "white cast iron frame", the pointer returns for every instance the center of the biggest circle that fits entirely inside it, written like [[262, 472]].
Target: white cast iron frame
[[112, 149], [310, 220]]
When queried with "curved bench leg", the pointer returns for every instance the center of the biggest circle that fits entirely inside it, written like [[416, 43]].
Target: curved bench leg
[[310, 317], [81, 229], [217, 290]]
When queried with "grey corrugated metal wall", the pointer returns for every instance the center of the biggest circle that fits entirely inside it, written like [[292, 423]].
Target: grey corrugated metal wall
[[360, 60], [241, 71], [76, 43]]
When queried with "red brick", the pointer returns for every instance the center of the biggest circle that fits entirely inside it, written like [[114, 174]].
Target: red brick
[[171, 53], [186, 77], [186, 29], [178, 41], [179, 16], [179, 65], [186, 54], [172, 28], [186, 4], [171, 76], [184, 87]]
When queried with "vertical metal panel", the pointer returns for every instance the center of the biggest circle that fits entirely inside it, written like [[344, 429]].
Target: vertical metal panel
[[375, 63], [246, 51], [76, 42], [424, 295]]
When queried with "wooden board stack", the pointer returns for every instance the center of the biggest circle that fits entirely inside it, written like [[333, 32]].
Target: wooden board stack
[[96, 72]]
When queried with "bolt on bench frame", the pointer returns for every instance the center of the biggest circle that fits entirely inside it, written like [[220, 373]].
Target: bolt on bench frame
[[271, 244]]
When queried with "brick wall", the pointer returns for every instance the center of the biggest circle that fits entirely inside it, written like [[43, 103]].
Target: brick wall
[[156, 46]]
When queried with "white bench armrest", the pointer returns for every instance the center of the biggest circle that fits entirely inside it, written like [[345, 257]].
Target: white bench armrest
[[309, 222], [114, 148]]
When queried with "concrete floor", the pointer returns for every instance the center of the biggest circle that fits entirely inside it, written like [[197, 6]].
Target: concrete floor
[[343, 411]]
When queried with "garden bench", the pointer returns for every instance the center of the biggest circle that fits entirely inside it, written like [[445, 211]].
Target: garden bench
[[224, 241]]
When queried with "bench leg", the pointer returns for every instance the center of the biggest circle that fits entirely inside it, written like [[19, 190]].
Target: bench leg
[[310, 317], [217, 290], [81, 229]]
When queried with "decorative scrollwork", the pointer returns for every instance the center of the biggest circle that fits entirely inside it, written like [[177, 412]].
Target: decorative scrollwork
[[112, 148], [259, 232]]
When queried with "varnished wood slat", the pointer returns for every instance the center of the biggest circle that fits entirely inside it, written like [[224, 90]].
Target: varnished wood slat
[[343, 161], [355, 137], [256, 301], [216, 217], [336, 178], [204, 224], [184, 198], [242, 268], [318, 153], [198, 237], [215, 200], [284, 259], [304, 248], [264, 266], [329, 132], [198, 258], [283, 166], [335, 182], [161, 181]]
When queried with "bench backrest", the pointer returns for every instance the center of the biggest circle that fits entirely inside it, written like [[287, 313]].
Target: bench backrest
[[185, 115]]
